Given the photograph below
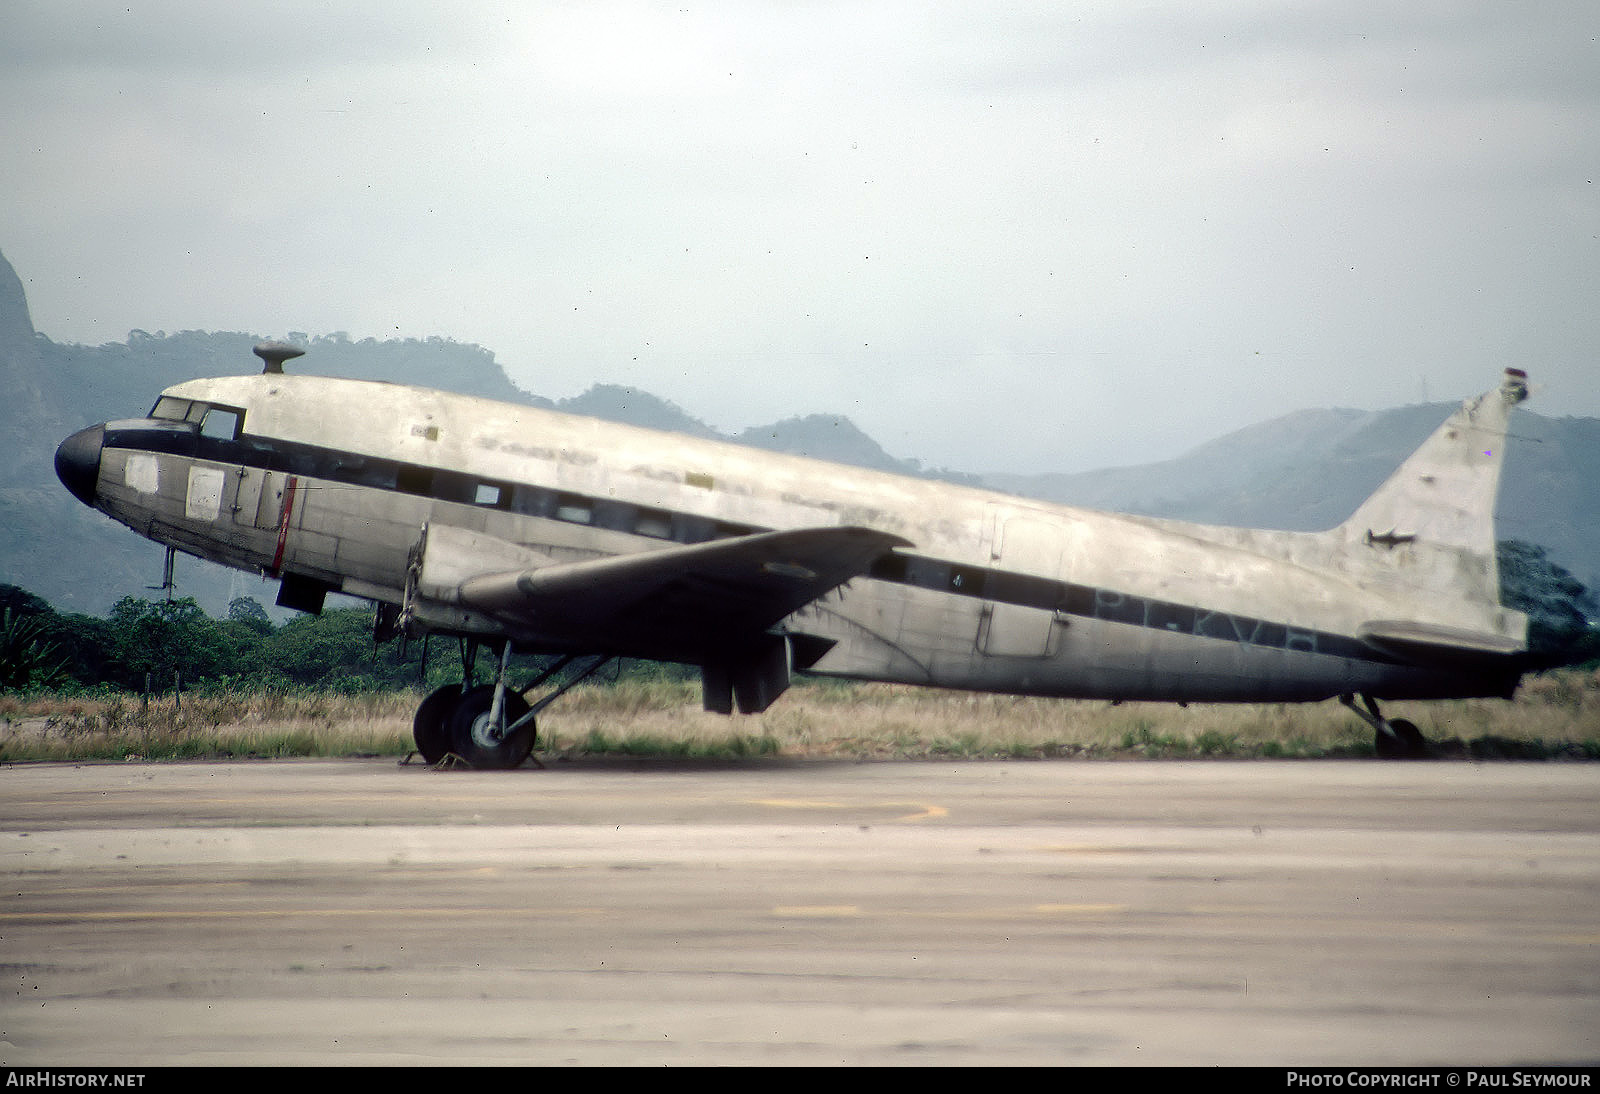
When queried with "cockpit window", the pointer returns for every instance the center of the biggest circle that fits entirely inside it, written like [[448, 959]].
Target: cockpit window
[[222, 422], [214, 421], [173, 410]]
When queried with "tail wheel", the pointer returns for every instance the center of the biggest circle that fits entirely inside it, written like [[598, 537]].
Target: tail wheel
[[431, 726], [1407, 743], [479, 743]]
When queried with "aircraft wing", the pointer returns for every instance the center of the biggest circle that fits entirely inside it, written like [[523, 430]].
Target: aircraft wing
[[1429, 644], [678, 602]]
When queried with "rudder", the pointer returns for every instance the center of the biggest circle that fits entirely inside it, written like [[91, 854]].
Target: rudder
[[1430, 526]]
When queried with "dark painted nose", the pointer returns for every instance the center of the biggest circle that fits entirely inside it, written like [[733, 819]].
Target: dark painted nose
[[78, 462]]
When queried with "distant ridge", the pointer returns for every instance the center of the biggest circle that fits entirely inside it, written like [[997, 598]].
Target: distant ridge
[[1309, 470], [1303, 471]]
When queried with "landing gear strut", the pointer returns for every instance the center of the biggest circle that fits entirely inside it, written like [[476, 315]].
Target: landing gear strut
[[487, 726], [1395, 739]]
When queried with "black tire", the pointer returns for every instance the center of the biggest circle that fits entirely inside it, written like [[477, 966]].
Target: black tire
[[468, 741], [1410, 745], [430, 729]]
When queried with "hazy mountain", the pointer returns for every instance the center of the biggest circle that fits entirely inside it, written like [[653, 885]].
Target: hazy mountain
[[1310, 470], [822, 436], [1302, 471], [630, 406]]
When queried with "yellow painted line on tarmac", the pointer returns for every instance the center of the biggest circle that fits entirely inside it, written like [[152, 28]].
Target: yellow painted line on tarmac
[[929, 812], [924, 811], [817, 911]]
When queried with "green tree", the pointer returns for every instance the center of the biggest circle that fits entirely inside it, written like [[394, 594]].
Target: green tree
[[1563, 616], [248, 612], [336, 649], [86, 642], [167, 640], [28, 659], [21, 601]]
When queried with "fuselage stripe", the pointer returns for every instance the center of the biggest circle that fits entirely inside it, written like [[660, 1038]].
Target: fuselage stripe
[[283, 524], [298, 460]]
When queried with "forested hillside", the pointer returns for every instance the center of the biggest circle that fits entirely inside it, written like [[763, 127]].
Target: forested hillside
[[1304, 471]]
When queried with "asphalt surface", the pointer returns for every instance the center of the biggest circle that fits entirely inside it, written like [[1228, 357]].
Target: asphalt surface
[[1165, 913]]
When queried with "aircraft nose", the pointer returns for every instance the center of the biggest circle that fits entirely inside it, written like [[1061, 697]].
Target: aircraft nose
[[78, 462]]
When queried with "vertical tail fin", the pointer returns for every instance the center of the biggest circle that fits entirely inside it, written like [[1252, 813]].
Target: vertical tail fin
[[1429, 530]]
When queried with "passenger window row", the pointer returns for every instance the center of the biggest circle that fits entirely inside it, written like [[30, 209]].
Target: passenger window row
[[571, 508], [217, 433]]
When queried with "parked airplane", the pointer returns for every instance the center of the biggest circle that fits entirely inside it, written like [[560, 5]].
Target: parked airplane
[[547, 533]]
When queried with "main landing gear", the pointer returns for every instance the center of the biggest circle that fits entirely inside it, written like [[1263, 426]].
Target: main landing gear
[[488, 725], [1396, 739]]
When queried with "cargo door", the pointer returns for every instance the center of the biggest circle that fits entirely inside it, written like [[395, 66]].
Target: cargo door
[[1031, 546], [247, 495], [271, 499]]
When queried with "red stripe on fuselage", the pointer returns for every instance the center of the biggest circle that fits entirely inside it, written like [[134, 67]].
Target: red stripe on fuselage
[[283, 524]]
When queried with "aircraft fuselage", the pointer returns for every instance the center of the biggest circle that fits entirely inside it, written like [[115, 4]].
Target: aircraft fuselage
[[400, 495]]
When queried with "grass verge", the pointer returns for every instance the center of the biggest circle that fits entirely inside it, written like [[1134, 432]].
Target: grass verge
[[1554, 717]]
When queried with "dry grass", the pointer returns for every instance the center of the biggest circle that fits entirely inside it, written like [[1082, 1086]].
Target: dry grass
[[1553, 716], [1556, 716], [266, 723]]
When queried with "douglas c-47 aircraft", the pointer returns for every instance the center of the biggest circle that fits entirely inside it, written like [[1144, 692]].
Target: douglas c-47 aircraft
[[519, 528]]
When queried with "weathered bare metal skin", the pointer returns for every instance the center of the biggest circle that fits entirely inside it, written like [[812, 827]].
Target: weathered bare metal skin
[[488, 519]]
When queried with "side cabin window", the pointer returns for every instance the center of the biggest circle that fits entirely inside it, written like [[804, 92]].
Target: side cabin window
[[430, 482], [491, 495], [653, 523], [414, 480], [574, 509]]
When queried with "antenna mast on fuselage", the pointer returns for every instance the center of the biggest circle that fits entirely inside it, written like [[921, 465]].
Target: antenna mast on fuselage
[[274, 354]]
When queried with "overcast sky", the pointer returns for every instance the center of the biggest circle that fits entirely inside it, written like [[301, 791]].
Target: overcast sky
[[997, 236]]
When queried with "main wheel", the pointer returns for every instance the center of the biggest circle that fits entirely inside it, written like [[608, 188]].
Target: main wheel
[[477, 742], [1410, 745], [431, 726]]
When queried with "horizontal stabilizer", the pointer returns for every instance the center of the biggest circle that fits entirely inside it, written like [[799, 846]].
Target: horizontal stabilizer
[[1429, 644]]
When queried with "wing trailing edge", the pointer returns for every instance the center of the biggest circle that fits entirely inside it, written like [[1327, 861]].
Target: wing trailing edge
[[685, 603]]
